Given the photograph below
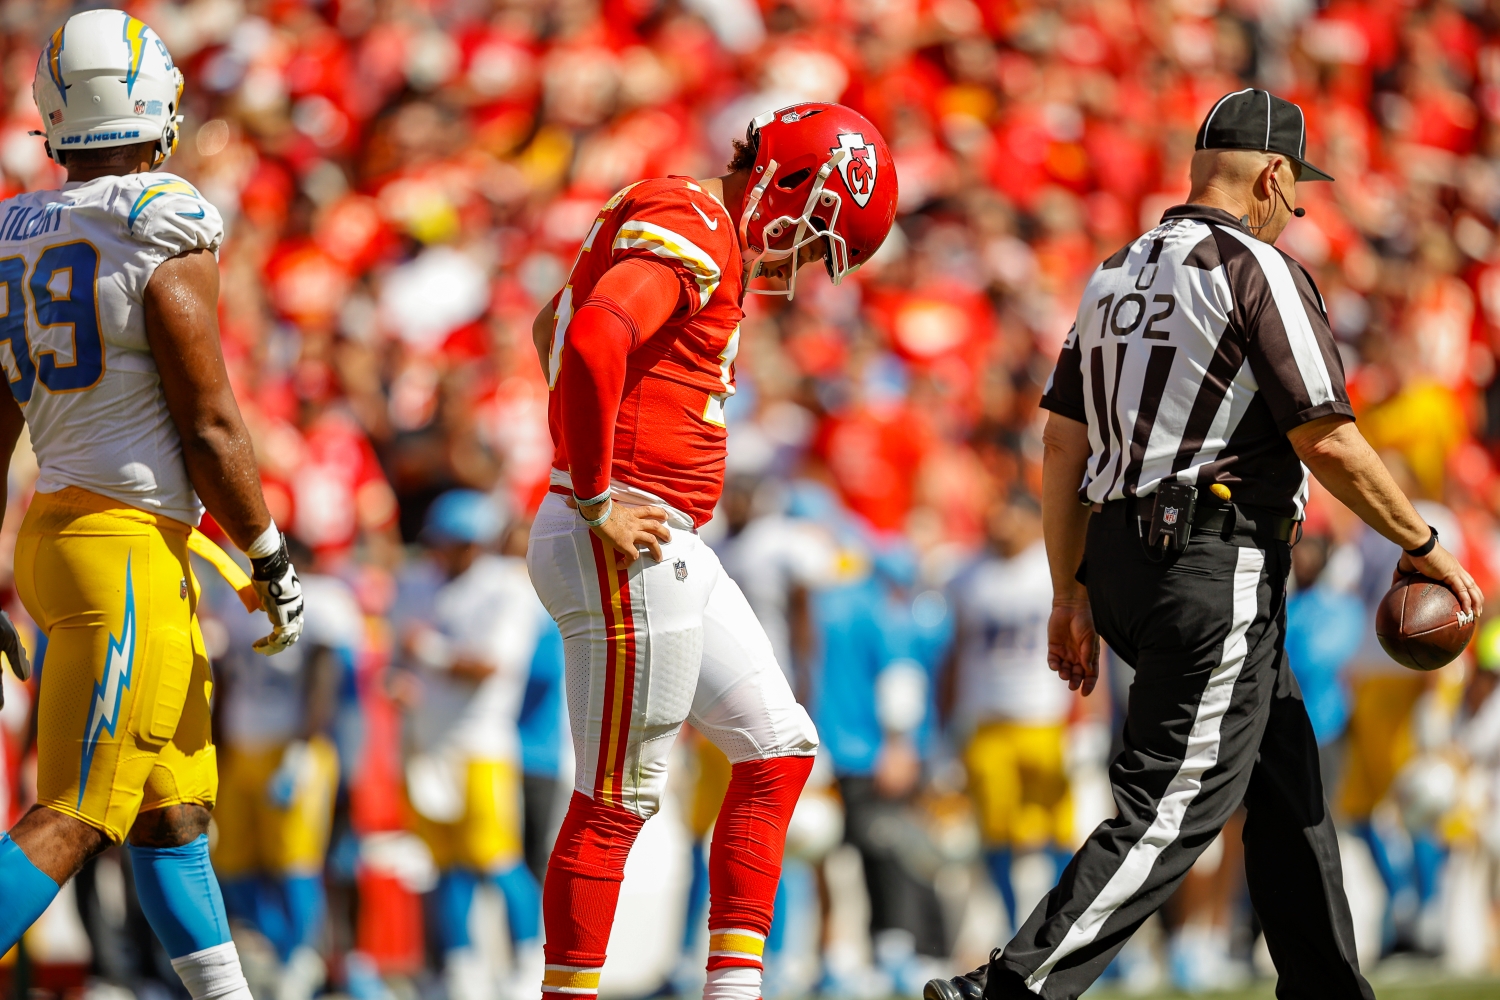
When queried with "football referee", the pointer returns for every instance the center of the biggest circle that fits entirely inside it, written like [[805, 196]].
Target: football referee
[[1199, 386]]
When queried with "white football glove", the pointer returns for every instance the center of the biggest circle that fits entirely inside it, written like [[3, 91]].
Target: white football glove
[[275, 580], [10, 645]]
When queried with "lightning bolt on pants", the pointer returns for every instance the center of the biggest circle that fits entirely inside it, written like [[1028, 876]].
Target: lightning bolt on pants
[[123, 723]]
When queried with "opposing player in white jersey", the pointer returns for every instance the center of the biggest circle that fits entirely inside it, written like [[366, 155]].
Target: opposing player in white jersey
[[109, 341], [1006, 701], [468, 640]]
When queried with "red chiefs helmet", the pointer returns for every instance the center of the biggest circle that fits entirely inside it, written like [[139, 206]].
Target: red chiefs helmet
[[823, 171]]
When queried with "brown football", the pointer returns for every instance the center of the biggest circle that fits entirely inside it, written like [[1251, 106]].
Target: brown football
[[1420, 624]]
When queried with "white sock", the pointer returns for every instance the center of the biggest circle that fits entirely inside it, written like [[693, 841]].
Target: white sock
[[734, 982], [466, 974], [213, 973], [303, 975]]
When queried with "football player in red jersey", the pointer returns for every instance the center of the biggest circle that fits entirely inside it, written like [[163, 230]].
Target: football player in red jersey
[[639, 351]]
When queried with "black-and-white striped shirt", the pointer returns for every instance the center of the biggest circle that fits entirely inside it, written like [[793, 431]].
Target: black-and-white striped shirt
[[1195, 350]]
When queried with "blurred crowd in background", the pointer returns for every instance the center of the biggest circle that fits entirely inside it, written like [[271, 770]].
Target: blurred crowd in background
[[405, 184]]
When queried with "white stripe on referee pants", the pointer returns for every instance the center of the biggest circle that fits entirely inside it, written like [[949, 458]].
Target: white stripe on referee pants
[[1202, 753]]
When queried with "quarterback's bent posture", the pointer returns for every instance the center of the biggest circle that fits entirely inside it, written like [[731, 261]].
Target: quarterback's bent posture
[[111, 348], [639, 350]]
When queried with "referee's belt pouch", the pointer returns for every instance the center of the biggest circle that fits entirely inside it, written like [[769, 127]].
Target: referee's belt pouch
[[164, 686], [1172, 517]]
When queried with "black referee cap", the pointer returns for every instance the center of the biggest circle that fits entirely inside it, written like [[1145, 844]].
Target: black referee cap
[[1258, 119]]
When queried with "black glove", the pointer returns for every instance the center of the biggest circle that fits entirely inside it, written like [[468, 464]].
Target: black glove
[[15, 653]]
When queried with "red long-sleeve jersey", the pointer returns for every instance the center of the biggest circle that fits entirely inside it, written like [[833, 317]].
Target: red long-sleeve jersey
[[669, 435]]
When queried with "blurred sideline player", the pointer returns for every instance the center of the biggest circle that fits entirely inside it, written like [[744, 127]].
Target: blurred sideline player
[[114, 360], [639, 350], [1007, 700], [280, 772], [709, 786], [468, 643], [1382, 736], [871, 698], [1325, 627], [541, 723], [777, 560], [1476, 734]]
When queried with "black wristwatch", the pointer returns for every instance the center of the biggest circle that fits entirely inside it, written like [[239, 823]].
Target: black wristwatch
[[1425, 547]]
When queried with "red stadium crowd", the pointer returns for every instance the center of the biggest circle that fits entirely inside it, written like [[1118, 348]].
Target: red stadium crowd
[[404, 185]]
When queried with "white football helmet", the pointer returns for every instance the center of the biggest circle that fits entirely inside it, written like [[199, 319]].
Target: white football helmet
[[106, 79]]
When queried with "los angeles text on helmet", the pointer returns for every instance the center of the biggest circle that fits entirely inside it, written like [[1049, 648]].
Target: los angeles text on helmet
[[71, 140]]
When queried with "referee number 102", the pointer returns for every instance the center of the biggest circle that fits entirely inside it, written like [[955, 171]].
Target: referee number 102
[[1123, 316]]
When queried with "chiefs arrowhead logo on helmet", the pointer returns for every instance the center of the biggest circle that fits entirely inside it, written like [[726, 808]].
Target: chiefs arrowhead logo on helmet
[[858, 168]]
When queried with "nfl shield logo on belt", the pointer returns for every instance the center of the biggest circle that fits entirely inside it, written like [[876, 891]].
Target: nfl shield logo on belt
[[1169, 515], [681, 568]]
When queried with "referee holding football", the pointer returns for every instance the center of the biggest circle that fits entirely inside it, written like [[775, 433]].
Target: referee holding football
[[1199, 386]]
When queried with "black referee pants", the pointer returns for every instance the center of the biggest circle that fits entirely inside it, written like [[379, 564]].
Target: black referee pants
[[1215, 719]]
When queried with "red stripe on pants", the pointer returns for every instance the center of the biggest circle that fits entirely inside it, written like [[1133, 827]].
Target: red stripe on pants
[[627, 692]]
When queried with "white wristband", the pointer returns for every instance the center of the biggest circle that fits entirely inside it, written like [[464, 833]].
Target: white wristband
[[267, 544], [609, 508]]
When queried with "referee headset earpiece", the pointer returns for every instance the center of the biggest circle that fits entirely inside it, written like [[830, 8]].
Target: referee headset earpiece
[[1299, 211]]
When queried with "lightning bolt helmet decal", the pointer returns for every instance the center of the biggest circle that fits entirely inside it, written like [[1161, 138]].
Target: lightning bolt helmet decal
[[54, 62], [134, 35]]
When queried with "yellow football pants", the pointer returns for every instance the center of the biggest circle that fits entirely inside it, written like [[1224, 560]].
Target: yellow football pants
[[123, 716], [1380, 738], [1019, 785], [255, 834], [709, 788], [488, 836]]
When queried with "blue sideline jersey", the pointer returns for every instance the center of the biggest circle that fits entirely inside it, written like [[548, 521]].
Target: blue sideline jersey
[[541, 721], [862, 628], [1324, 629]]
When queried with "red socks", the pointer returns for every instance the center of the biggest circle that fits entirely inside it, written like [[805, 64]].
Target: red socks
[[744, 868], [588, 864], [583, 887]]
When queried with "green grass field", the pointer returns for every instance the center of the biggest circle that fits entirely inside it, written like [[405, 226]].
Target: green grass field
[[1467, 989]]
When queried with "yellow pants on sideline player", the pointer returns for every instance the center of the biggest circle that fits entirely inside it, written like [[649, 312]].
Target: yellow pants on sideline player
[[710, 785], [255, 834], [487, 836], [1019, 785], [123, 719], [1380, 738]]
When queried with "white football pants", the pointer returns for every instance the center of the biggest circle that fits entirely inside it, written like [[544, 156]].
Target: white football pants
[[651, 646]]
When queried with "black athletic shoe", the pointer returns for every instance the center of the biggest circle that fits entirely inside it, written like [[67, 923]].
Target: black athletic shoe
[[969, 986]]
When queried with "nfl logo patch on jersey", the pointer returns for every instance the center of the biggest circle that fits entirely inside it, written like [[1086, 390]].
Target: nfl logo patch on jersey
[[1169, 515], [680, 566], [182, 589]]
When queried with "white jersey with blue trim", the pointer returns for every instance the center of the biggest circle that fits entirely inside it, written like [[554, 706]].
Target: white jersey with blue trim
[[74, 265], [1002, 607]]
